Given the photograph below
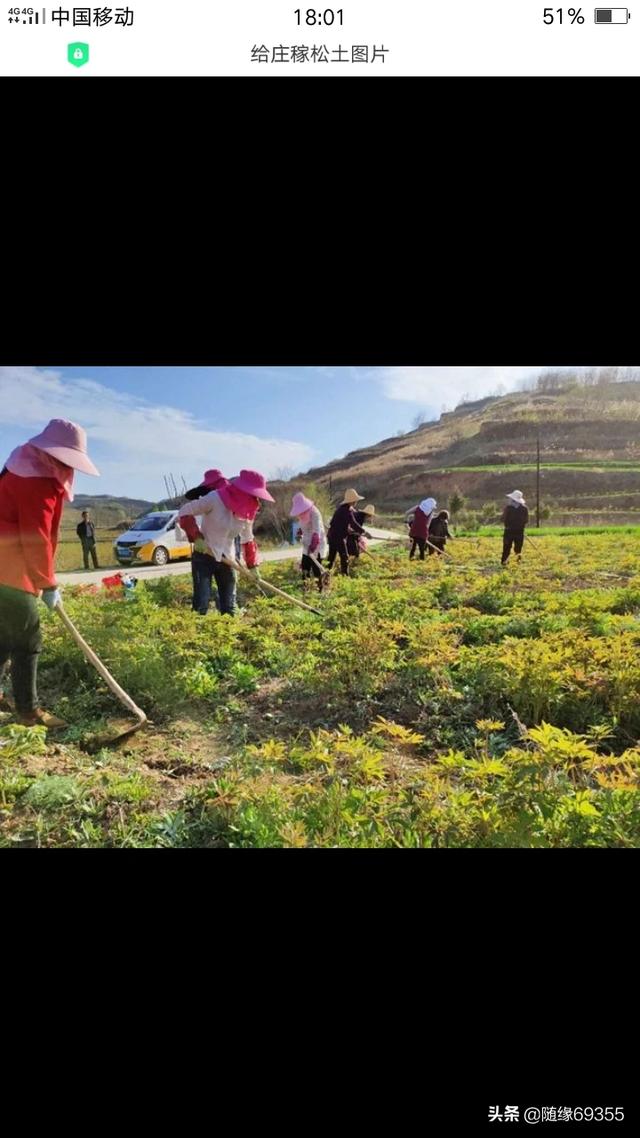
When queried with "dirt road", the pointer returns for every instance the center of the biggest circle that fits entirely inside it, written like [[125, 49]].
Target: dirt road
[[94, 576]]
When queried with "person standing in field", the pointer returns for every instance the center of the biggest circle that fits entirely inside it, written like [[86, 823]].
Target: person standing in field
[[439, 532], [34, 484], [341, 525], [86, 531], [419, 529], [224, 514], [515, 517], [311, 530], [202, 563]]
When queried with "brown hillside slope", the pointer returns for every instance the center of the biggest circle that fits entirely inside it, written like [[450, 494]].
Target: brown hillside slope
[[576, 424]]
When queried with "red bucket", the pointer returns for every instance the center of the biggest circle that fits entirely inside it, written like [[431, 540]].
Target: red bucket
[[114, 582]]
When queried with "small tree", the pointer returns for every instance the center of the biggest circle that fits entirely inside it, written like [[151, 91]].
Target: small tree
[[456, 502], [468, 520], [284, 474]]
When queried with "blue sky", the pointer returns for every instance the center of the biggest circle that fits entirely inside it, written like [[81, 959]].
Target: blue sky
[[144, 422]]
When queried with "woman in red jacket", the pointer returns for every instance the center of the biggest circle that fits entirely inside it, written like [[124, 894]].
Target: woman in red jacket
[[419, 531], [34, 483]]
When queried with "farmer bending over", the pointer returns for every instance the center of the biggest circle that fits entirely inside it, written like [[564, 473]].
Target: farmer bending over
[[311, 530], [439, 532], [419, 529], [224, 514], [202, 563], [515, 517], [356, 542], [34, 484], [342, 524]]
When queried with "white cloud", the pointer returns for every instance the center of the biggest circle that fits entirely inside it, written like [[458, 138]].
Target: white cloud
[[433, 386], [135, 442]]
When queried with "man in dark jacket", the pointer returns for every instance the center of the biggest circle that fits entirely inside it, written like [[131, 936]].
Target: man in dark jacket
[[86, 531], [515, 517]]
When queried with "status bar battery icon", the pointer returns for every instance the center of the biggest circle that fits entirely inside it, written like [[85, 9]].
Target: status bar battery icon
[[612, 15]]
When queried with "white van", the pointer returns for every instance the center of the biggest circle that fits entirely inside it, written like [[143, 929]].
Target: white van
[[154, 539]]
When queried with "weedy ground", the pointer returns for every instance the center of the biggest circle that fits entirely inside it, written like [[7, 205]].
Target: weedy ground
[[444, 703]]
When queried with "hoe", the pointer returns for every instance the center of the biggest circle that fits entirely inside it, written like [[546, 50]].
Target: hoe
[[271, 588], [98, 741]]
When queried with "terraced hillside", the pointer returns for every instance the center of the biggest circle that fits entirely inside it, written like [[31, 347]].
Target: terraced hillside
[[589, 450]]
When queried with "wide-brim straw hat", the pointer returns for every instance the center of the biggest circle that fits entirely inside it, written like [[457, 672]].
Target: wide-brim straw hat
[[250, 482], [516, 496], [370, 510], [300, 505], [351, 496], [67, 442]]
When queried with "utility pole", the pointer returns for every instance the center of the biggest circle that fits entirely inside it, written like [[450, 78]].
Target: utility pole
[[538, 483]]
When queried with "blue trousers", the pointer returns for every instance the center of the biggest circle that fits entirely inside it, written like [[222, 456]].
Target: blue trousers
[[204, 568]]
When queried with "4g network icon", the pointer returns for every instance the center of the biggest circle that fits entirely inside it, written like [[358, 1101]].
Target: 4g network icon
[[78, 54]]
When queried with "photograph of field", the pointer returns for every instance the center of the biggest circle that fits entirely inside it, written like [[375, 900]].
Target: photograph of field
[[463, 699]]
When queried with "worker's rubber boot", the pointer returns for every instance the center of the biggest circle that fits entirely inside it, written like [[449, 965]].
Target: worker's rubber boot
[[40, 718]]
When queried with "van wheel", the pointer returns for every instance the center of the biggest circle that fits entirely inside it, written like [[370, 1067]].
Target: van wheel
[[160, 556]]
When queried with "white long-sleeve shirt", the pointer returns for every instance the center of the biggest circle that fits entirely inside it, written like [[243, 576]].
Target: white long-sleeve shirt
[[218, 524], [313, 525]]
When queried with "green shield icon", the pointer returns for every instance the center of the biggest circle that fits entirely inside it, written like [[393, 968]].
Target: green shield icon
[[78, 53]]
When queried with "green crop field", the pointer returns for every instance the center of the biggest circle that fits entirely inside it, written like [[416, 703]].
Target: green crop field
[[434, 704], [69, 553], [506, 468], [561, 531]]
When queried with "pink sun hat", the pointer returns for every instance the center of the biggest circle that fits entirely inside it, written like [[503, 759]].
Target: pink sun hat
[[250, 482], [67, 442], [212, 477], [300, 505], [211, 480]]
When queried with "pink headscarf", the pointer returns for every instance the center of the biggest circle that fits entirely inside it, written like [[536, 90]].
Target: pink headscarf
[[30, 462], [242, 505]]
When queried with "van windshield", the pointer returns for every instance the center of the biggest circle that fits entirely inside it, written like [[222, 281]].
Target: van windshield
[[151, 523]]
